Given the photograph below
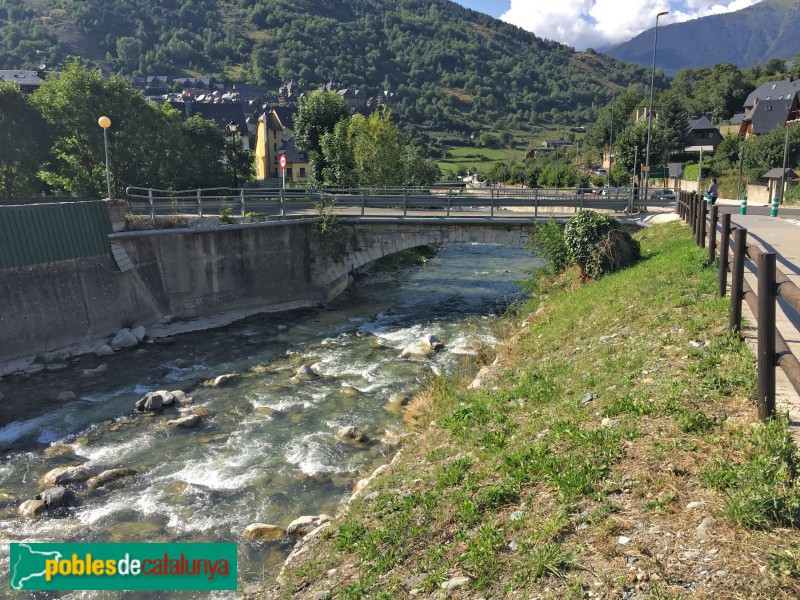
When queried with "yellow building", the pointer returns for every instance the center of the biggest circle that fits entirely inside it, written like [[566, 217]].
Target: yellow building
[[274, 137]]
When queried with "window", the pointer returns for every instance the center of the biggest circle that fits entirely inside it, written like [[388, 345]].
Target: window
[[768, 107], [289, 173], [274, 147], [302, 172]]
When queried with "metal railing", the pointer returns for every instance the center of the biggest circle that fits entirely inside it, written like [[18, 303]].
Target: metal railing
[[422, 201], [772, 349]]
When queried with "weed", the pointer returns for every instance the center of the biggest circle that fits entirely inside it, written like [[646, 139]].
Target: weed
[[694, 421], [225, 213], [545, 559], [660, 504]]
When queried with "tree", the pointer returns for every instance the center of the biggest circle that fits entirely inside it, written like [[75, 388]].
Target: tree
[[673, 120], [317, 114], [378, 150], [23, 141]]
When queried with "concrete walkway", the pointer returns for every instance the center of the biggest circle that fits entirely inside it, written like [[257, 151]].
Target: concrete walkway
[[782, 236]]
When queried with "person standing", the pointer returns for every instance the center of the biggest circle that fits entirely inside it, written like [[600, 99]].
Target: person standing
[[713, 190]]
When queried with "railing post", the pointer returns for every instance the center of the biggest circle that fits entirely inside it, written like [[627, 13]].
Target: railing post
[[283, 202], [363, 201], [491, 206], [241, 199], [766, 335], [199, 203], [536, 203], [724, 243], [712, 234], [737, 279], [152, 205], [701, 226], [449, 191], [692, 205], [405, 202]]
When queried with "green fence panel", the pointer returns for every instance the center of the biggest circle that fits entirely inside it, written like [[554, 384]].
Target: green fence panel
[[42, 233]]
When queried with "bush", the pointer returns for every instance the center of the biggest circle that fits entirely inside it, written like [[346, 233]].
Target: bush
[[598, 245], [548, 243], [792, 195]]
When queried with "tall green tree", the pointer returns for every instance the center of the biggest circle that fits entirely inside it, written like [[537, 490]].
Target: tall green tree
[[673, 120], [378, 150], [317, 114], [23, 141]]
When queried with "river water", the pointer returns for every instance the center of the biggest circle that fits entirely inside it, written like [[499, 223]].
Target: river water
[[267, 449]]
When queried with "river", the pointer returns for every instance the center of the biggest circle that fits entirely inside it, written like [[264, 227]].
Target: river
[[267, 449]]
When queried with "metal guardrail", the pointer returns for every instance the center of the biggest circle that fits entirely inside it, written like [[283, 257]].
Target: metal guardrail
[[438, 201], [772, 349]]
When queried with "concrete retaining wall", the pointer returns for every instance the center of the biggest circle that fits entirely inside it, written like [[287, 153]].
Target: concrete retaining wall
[[194, 273]]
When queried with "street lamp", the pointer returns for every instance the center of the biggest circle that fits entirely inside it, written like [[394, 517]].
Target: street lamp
[[650, 109], [233, 129], [105, 123]]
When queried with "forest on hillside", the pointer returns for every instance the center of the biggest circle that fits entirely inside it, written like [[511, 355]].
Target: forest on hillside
[[449, 66]]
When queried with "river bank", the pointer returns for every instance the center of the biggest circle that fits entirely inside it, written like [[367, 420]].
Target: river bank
[[612, 450]]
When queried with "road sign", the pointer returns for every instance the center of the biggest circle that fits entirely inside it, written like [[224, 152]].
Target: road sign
[[645, 168], [282, 161]]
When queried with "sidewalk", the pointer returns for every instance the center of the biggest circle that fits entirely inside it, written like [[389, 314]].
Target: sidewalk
[[782, 236]]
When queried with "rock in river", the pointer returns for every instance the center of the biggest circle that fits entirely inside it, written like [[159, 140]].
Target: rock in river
[[221, 380], [54, 497], [307, 524], [187, 422], [32, 508], [305, 373], [108, 476], [263, 531], [352, 433], [124, 339], [62, 475], [154, 401]]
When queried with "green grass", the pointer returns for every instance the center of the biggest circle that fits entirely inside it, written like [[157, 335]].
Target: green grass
[[523, 462]]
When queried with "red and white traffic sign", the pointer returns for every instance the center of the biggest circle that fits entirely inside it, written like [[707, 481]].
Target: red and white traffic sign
[[282, 161]]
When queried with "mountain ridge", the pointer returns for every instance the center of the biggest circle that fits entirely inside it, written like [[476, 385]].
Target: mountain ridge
[[742, 38], [496, 72]]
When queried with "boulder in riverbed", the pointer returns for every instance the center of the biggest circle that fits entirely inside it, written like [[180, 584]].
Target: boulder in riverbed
[[31, 509], [221, 380], [307, 524], [305, 373], [96, 371], [124, 339], [66, 396], [138, 333], [263, 531], [150, 402], [108, 476], [103, 350], [351, 433], [54, 497], [181, 397], [187, 422], [64, 475], [431, 342]]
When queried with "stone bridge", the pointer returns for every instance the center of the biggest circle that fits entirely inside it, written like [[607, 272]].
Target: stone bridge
[[190, 273]]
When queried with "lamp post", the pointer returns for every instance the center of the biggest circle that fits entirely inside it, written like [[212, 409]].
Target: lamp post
[[650, 108], [105, 123], [611, 139], [233, 129]]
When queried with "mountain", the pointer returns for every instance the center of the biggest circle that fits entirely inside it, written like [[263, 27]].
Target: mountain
[[745, 38], [447, 65]]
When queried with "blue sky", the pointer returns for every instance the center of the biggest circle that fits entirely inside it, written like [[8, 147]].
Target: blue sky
[[493, 8], [598, 23]]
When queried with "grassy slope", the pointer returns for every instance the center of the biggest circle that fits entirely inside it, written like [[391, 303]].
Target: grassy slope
[[520, 487]]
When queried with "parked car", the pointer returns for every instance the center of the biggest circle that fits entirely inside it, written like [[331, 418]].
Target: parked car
[[665, 195], [607, 191]]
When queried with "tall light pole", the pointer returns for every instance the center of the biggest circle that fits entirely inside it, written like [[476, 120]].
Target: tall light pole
[[105, 123], [650, 109], [233, 129], [611, 140]]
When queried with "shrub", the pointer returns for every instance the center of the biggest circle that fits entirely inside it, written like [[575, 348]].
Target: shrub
[[137, 223], [598, 245], [225, 214], [548, 243], [792, 195]]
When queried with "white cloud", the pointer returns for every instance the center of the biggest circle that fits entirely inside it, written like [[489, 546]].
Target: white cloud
[[599, 23]]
